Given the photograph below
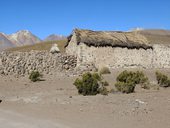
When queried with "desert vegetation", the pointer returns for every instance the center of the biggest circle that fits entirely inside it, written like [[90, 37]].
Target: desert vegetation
[[127, 80], [91, 84], [162, 79], [35, 76]]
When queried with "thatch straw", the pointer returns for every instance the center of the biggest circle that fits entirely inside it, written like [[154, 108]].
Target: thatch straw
[[110, 38]]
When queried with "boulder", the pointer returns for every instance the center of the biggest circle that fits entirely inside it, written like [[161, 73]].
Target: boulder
[[54, 49]]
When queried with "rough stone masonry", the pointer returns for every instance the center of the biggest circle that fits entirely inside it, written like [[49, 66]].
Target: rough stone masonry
[[22, 63], [158, 57]]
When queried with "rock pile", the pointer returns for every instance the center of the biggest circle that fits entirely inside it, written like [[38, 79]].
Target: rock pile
[[22, 63]]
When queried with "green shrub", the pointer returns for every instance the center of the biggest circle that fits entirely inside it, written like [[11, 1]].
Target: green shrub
[[125, 87], [134, 77], [127, 80], [103, 91], [168, 83], [104, 83], [96, 76], [151, 86], [35, 76], [146, 86], [89, 84], [104, 70], [112, 90], [162, 79]]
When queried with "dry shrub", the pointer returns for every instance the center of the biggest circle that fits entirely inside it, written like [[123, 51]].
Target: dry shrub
[[104, 70]]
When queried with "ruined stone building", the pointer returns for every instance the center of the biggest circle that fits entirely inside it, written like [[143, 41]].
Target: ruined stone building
[[119, 49]]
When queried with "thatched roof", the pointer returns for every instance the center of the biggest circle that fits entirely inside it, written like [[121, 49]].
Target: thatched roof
[[110, 38]]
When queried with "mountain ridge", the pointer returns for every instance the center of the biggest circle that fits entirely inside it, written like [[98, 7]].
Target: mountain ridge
[[23, 38], [54, 37]]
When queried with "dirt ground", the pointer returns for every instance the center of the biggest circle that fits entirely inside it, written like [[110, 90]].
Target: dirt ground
[[55, 103]]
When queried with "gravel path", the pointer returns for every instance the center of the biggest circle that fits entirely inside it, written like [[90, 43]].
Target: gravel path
[[10, 119]]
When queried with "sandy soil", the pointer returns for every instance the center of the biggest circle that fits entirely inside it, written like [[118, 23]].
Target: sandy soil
[[54, 103]]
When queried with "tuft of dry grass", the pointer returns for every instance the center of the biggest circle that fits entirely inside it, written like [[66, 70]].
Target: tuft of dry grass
[[104, 70], [42, 46]]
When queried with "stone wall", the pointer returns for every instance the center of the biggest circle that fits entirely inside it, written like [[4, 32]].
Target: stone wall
[[22, 63], [158, 57]]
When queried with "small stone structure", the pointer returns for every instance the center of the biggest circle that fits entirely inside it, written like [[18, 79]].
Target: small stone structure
[[54, 49], [117, 50]]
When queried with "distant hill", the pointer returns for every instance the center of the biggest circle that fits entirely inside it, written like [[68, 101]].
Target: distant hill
[[54, 37], [160, 32], [42, 46], [156, 36]]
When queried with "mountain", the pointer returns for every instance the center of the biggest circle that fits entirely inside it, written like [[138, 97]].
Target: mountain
[[54, 37], [23, 37], [20, 38], [5, 42]]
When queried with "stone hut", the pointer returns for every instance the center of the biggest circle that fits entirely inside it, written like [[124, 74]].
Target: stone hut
[[116, 49]]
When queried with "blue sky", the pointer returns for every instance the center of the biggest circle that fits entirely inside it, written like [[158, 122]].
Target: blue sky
[[44, 17]]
